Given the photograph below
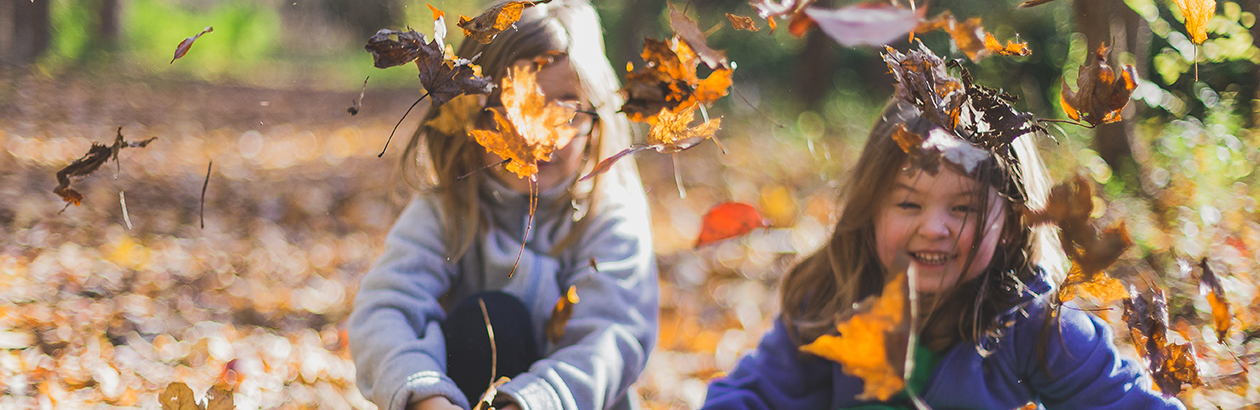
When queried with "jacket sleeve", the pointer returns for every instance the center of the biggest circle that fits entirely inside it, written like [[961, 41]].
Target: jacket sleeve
[[613, 327], [394, 331], [775, 376], [1083, 369]]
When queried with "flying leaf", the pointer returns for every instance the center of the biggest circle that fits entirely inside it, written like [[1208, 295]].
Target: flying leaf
[[1031, 3], [871, 341], [220, 398], [439, 26], [387, 52], [742, 23], [178, 396], [183, 46], [728, 220], [668, 80], [1172, 366], [794, 10], [969, 36], [489, 24], [954, 149], [487, 399], [866, 23], [529, 127], [561, 314], [443, 77], [1197, 13], [1100, 94], [96, 156], [800, 24], [924, 82], [690, 33], [355, 105], [1090, 251], [1210, 286], [671, 133]]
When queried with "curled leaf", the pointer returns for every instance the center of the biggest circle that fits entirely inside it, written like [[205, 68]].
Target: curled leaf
[[728, 220], [490, 23], [1171, 365], [668, 80], [403, 48], [690, 33], [742, 23], [971, 38], [1210, 286], [1100, 93], [185, 45], [561, 313], [529, 127], [871, 344], [866, 23], [96, 156], [443, 77], [1090, 251]]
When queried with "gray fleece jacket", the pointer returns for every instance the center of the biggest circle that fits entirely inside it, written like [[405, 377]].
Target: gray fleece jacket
[[394, 330]]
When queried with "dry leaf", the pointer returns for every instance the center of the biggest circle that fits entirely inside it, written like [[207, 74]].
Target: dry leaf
[[970, 37], [870, 342], [1197, 13], [742, 23], [183, 46], [1090, 251], [220, 398], [1012, 47], [1210, 286], [800, 24], [178, 396], [561, 314], [1106, 288], [1031, 3], [96, 156], [529, 127], [690, 33], [866, 23], [357, 104], [728, 220], [1171, 365], [668, 80], [489, 24], [443, 77], [669, 133], [1100, 94]]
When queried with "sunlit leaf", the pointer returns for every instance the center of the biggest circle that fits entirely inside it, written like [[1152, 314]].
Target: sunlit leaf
[[220, 398], [458, 114], [742, 23], [1197, 13], [1171, 365], [1100, 93], [690, 33], [728, 220], [560, 314], [971, 38], [870, 342], [668, 80], [1210, 286], [529, 127], [178, 396], [490, 23]]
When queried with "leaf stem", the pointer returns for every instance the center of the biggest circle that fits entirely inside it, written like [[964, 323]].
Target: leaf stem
[[461, 177], [203, 194], [400, 120]]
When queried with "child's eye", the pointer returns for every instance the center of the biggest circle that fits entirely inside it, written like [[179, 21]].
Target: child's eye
[[966, 208], [907, 205]]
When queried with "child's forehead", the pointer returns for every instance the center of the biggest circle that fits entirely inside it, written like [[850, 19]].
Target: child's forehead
[[945, 181]]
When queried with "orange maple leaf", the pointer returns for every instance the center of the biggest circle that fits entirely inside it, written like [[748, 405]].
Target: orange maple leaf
[[486, 26], [742, 23], [529, 127], [669, 80], [1197, 14], [971, 38], [862, 346], [669, 133]]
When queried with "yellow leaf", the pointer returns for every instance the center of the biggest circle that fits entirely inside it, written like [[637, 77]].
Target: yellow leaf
[[530, 128], [670, 131], [177, 396], [1197, 13], [561, 314], [861, 346]]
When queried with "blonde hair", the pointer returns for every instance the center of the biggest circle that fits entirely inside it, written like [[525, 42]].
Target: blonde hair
[[569, 26], [825, 285]]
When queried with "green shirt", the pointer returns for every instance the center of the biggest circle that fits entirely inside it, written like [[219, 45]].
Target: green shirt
[[925, 361]]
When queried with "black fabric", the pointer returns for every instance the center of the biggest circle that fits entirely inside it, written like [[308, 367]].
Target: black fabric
[[468, 353]]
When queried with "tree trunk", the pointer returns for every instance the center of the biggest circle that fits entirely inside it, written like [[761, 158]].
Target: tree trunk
[[24, 31], [815, 68]]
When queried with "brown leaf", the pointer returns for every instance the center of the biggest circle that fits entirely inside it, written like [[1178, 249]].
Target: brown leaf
[[870, 344], [356, 104], [742, 23], [387, 52], [490, 23], [529, 127], [866, 23], [690, 33], [220, 398], [1100, 94], [728, 220], [969, 36], [1091, 252], [443, 77], [1031, 3], [457, 114], [668, 80], [178, 396], [183, 46], [1171, 365], [96, 156], [561, 314], [800, 24], [1197, 14], [1210, 286]]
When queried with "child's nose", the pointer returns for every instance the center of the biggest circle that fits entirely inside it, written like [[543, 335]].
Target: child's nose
[[935, 226]]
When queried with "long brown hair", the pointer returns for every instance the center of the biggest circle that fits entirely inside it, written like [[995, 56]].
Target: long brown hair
[[825, 285], [568, 26]]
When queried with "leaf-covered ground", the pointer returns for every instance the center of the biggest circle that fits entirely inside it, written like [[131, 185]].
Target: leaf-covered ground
[[93, 312]]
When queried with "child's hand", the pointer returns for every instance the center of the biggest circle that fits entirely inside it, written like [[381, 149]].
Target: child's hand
[[434, 403]]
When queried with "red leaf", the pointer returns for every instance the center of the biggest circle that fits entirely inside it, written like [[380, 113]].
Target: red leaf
[[183, 46], [728, 220]]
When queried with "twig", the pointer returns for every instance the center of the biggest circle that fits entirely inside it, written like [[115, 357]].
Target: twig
[[400, 120], [461, 177], [682, 192], [758, 110], [203, 194], [913, 339], [123, 200], [1073, 122], [533, 206], [494, 351]]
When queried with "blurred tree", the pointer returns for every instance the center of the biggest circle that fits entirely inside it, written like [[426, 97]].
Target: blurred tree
[[363, 17], [1113, 23], [24, 31]]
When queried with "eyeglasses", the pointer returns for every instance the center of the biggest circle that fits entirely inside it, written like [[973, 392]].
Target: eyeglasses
[[584, 122]]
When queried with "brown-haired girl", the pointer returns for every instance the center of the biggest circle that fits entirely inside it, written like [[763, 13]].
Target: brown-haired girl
[[417, 332], [952, 217]]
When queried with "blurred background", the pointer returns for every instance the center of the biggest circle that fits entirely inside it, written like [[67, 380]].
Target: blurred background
[[106, 303]]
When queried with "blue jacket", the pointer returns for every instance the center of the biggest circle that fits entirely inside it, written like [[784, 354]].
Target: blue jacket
[[1085, 372]]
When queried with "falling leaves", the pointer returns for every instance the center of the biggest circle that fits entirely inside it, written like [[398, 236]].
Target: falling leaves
[[178, 396], [668, 80], [1091, 252], [529, 127], [443, 77], [1100, 94], [490, 23], [742, 23], [871, 341], [183, 46], [866, 23], [96, 156], [561, 314], [356, 104], [728, 220], [969, 36], [1197, 14], [1172, 365], [1210, 287], [690, 33], [793, 10], [458, 114], [669, 133]]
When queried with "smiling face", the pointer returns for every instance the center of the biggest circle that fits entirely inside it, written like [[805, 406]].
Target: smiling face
[[930, 221], [559, 83]]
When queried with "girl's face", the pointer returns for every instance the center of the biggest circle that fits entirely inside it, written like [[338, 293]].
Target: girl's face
[[929, 221], [559, 82]]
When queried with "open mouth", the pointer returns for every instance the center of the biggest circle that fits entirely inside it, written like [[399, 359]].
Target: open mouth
[[932, 258]]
